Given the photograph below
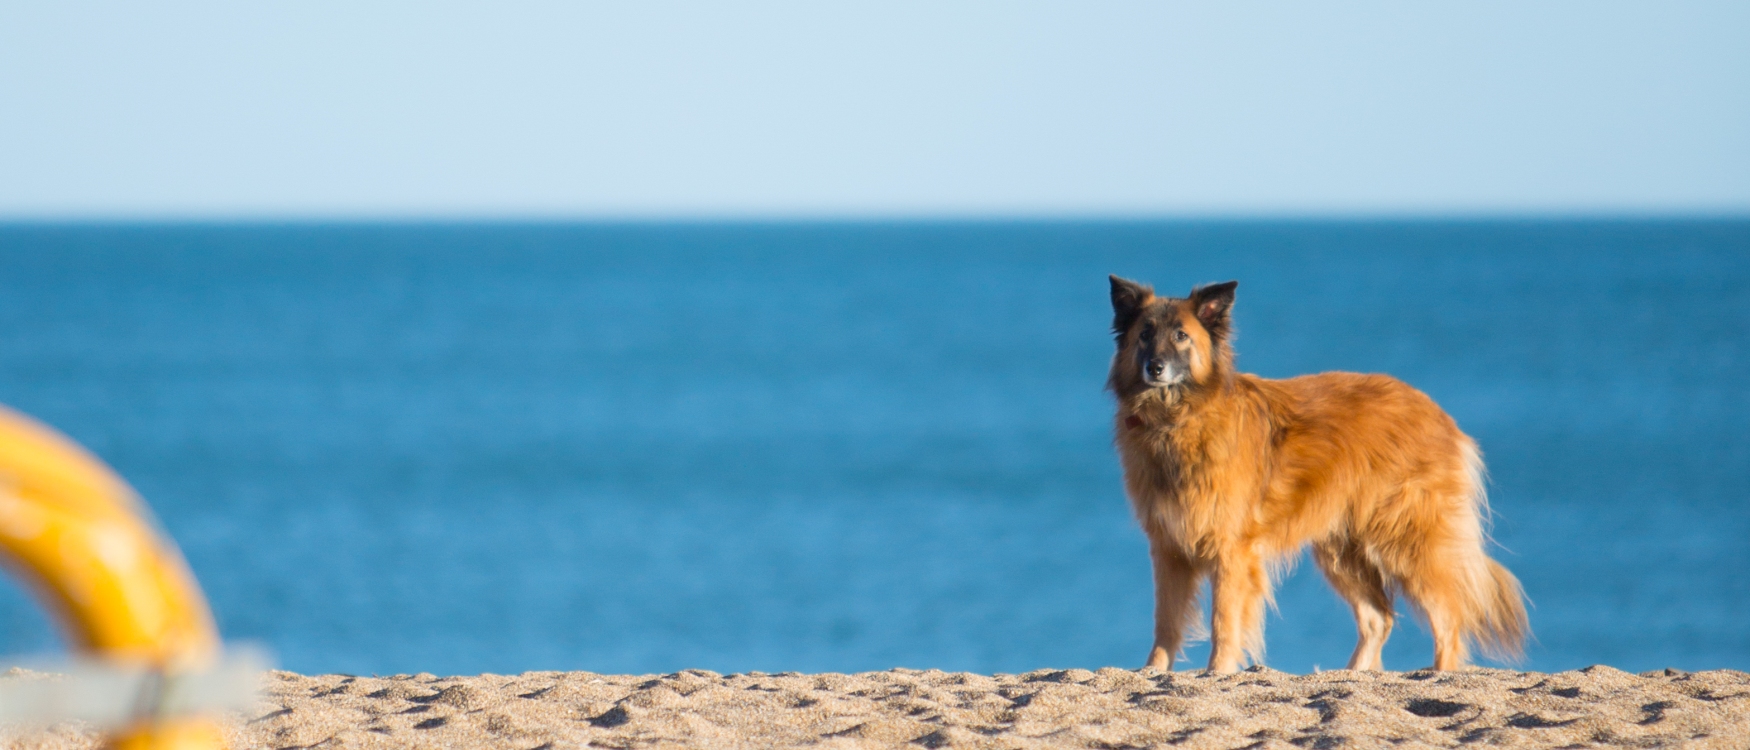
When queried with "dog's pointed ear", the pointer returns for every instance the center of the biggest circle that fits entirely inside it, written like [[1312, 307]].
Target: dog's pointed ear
[[1213, 304], [1128, 298]]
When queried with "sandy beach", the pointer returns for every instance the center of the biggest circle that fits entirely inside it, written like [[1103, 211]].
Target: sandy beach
[[1110, 708]]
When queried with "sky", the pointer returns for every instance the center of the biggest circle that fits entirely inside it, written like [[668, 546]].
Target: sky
[[774, 110]]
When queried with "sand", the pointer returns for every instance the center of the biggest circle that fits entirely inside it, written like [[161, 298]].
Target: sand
[[1111, 708]]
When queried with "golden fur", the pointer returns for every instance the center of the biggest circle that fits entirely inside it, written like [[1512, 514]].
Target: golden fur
[[1231, 474]]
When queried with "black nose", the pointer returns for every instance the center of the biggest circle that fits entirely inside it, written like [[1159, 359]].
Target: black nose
[[1156, 367]]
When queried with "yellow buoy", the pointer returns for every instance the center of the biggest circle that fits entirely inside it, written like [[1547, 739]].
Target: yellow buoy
[[80, 537]]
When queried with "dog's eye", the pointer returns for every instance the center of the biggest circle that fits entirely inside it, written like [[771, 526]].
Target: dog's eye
[[1179, 336]]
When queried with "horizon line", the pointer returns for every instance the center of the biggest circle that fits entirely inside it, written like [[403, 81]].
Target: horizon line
[[851, 218]]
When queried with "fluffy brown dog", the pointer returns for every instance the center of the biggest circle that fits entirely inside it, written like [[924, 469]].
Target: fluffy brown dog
[[1231, 473]]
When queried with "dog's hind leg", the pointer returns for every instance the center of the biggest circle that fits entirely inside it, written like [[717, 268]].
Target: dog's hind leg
[[1363, 585], [1176, 581], [1241, 587], [1436, 591]]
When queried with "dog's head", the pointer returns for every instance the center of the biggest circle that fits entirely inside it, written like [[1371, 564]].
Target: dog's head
[[1166, 342]]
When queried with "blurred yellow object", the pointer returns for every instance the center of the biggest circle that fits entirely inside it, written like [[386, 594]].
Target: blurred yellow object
[[86, 543]]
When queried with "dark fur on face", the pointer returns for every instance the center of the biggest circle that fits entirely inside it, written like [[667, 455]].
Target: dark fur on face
[[1168, 343]]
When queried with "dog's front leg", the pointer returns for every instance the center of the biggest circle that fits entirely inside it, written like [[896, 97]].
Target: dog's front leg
[[1236, 628], [1175, 600]]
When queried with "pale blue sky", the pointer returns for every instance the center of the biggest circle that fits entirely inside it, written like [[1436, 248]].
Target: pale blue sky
[[878, 109]]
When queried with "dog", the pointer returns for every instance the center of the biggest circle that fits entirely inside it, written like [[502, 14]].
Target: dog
[[1231, 475]]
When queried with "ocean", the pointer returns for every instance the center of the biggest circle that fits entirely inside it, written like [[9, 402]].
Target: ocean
[[639, 448]]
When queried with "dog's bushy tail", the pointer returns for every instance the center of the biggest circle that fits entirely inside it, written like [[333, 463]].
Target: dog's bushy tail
[[1497, 623], [1494, 615]]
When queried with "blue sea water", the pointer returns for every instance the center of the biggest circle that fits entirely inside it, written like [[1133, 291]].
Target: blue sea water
[[812, 447]]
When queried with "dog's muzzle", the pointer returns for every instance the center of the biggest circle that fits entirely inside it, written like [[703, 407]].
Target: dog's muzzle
[[1157, 373]]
